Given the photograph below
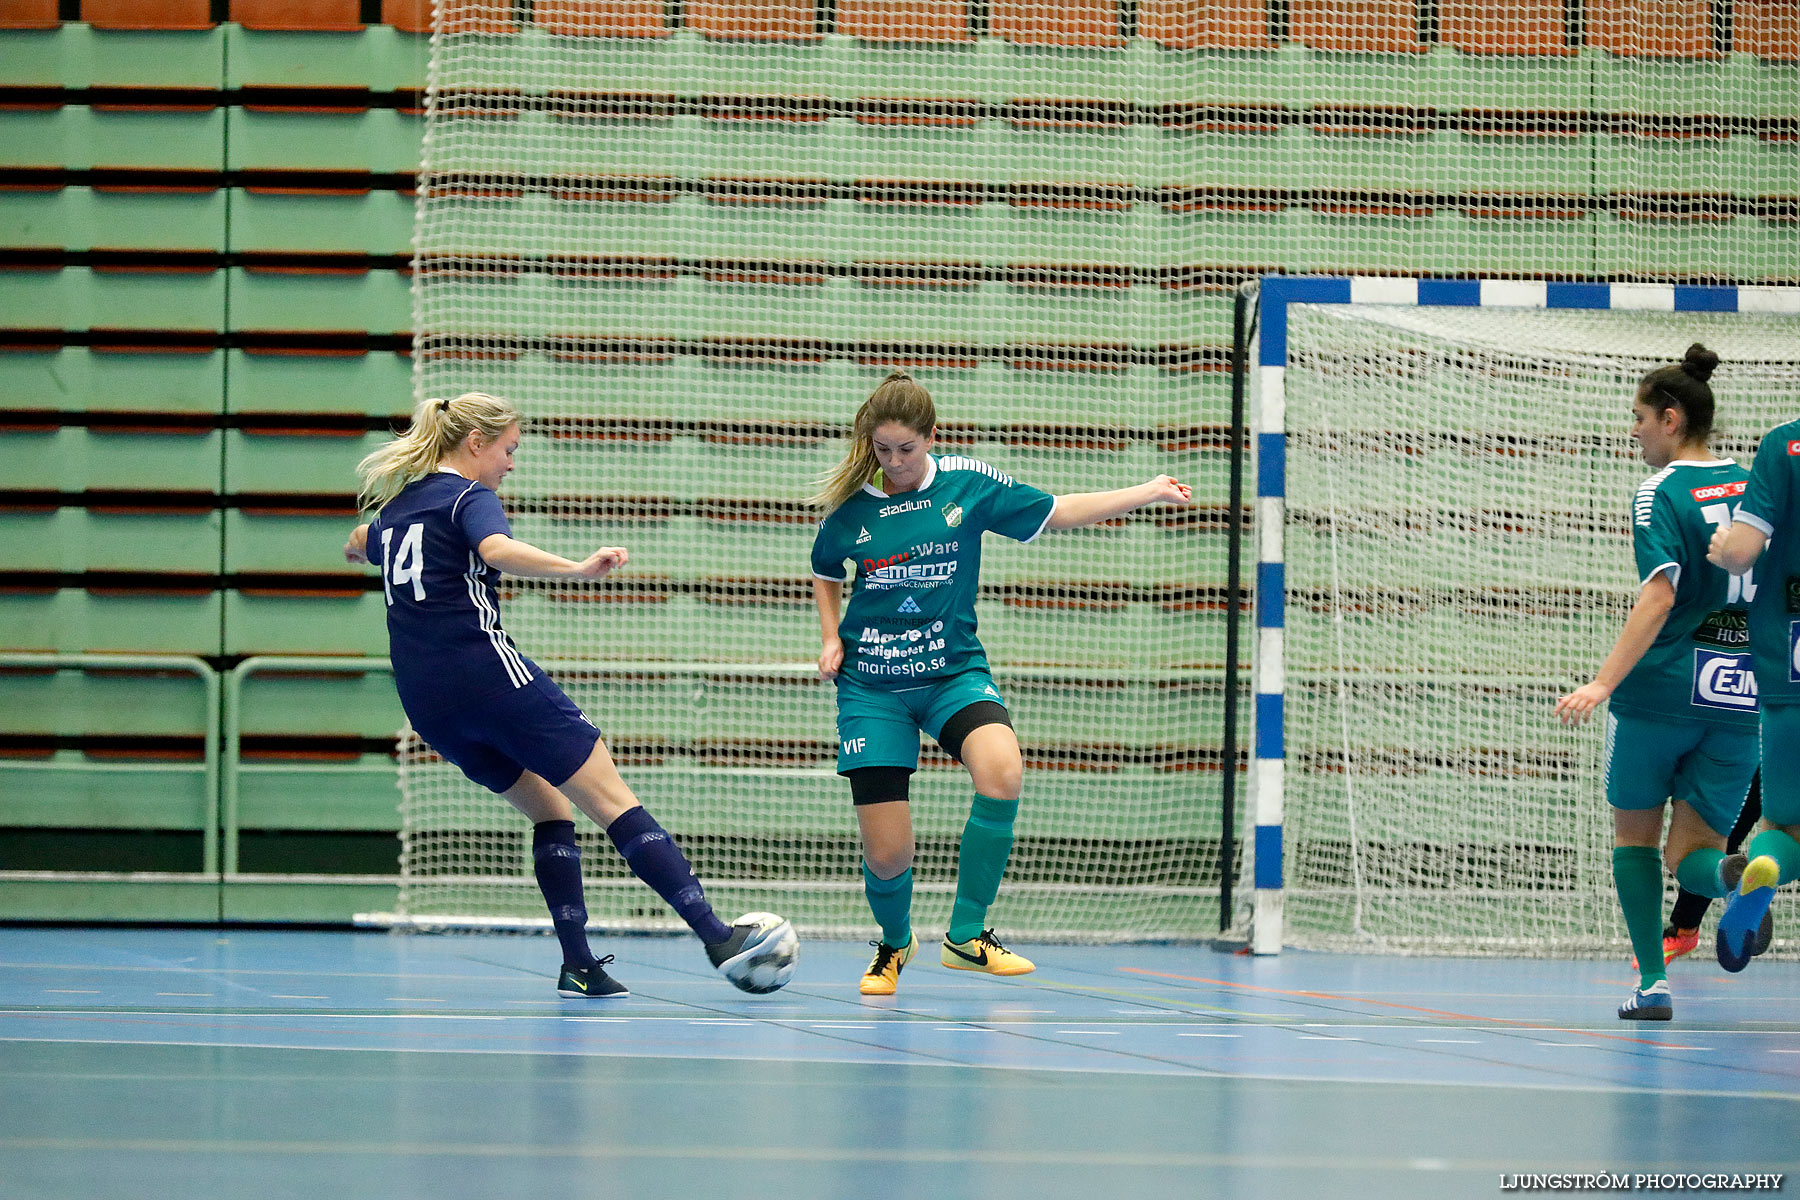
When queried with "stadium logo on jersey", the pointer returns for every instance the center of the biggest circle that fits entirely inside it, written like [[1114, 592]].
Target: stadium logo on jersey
[[1724, 681], [863, 536], [1718, 491], [953, 514], [904, 506], [909, 605]]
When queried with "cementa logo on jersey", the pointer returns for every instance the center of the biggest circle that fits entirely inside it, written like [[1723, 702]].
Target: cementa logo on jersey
[[1724, 681]]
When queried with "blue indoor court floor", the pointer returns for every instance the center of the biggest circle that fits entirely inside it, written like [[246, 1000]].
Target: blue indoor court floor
[[200, 1063]]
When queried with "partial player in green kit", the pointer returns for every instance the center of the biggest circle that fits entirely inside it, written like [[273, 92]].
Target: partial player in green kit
[[1765, 538], [1682, 725], [905, 656]]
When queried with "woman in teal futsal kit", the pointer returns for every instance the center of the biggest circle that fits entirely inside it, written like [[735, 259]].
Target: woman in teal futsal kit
[[1682, 725], [905, 656]]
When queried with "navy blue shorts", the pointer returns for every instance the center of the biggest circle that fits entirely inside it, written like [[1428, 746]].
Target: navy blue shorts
[[534, 728]]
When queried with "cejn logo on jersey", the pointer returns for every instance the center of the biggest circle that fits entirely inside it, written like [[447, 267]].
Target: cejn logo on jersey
[[1719, 491], [1724, 681]]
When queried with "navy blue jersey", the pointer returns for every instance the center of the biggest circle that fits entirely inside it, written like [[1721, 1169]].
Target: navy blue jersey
[[443, 609]]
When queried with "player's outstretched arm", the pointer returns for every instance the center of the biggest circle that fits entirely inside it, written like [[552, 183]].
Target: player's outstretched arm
[[525, 560], [828, 597], [1090, 508], [356, 550], [1648, 613], [1736, 547]]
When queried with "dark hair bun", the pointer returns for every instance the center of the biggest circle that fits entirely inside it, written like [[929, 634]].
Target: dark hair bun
[[1699, 362]]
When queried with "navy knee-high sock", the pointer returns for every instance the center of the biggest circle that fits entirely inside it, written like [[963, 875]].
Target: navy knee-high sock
[[654, 858], [556, 860]]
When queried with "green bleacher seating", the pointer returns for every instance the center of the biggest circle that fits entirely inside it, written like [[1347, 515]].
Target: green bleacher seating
[[79, 137], [148, 621], [374, 301], [74, 379], [375, 384], [91, 539], [295, 462], [86, 218], [73, 459], [83, 298], [376, 139], [293, 621], [78, 56], [371, 222]]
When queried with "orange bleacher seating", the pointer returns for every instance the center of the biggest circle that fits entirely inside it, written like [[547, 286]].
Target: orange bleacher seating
[[1504, 26], [1206, 24], [1058, 22], [754, 20], [602, 18], [147, 14], [313, 16], [1652, 28], [1769, 29], [915, 21], [460, 16], [28, 14], [1358, 26]]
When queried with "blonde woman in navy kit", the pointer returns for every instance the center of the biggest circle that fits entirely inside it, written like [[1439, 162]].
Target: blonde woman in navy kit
[[442, 540]]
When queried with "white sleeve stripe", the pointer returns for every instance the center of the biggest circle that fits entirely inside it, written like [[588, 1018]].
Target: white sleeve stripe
[[1672, 567], [832, 578], [464, 496], [1757, 523], [1045, 525]]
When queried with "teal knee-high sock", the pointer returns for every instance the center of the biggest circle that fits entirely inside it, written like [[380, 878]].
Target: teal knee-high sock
[[1699, 872], [986, 842], [891, 902], [1780, 846], [1637, 875]]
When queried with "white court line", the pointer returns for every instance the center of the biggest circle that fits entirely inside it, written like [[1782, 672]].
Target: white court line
[[963, 1029], [202, 995], [279, 996], [1210, 1035], [1092, 1032], [827, 1025], [719, 1021], [1319, 1037], [73, 991], [1019, 1012], [1448, 1041], [600, 1020]]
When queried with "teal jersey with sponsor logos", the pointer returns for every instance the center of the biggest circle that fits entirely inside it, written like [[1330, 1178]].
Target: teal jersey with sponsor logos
[[1772, 504], [1698, 668], [910, 619]]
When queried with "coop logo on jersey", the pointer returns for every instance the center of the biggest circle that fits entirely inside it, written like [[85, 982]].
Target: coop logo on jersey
[[909, 605], [1793, 449], [1724, 681], [1719, 491], [863, 536], [953, 514]]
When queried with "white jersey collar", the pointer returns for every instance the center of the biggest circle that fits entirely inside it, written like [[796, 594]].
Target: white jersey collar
[[930, 477]]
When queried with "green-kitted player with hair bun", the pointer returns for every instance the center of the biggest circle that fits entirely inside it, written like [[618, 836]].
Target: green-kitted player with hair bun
[[1682, 726], [905, 655]]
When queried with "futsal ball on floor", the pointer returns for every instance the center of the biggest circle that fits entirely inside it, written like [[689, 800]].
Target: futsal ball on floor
[[769, 962]]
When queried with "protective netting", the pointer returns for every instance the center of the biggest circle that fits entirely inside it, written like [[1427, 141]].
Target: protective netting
[[1459, 554], [690, 238]]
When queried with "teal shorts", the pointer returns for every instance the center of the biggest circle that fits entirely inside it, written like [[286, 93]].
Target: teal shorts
[[1709, 766], [880, 728], [1781, 764]]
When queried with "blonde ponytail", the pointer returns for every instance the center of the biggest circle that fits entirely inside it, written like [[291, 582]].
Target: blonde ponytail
[[438, 427], [898, 399]]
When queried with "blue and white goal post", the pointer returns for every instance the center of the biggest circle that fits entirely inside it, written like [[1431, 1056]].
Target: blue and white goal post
[[1266, 359]]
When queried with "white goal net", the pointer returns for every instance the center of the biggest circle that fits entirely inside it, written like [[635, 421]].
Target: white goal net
[[1458, 546]]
